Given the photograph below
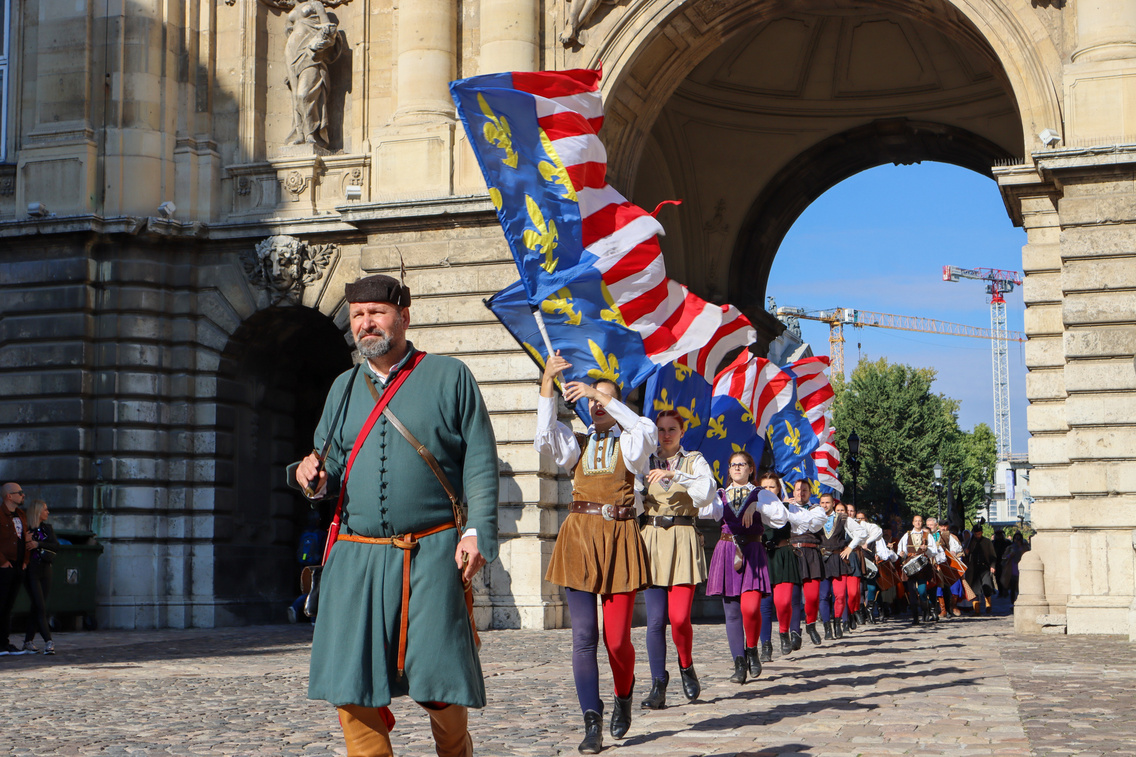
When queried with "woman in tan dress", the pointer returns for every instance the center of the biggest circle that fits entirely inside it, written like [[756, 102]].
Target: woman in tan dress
[[679, 487]]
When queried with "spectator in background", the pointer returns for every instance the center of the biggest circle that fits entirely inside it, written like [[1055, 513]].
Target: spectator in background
[[14, 555], [37, 577], [1010, 559], [1000, 544], [980, 561]]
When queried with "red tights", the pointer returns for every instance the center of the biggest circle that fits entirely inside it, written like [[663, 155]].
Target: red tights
[[751, 616], [853, 584], [811, 591], [839, 591], [617, 610], [680, 598], [783, 601]]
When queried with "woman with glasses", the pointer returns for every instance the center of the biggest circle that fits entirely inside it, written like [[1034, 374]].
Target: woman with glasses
[[739, 571], [679, 487]]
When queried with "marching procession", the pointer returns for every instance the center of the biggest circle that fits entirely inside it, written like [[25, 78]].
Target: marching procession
[[632, 526]]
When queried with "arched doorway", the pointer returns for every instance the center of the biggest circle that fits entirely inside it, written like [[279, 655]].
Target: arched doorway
[[274, 376]]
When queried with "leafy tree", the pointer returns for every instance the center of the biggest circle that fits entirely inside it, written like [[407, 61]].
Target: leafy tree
[[904, 429]]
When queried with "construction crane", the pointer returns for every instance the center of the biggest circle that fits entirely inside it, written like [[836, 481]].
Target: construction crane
[[838, 318], [998, 283]]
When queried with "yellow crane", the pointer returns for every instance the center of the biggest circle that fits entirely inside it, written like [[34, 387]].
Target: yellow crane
[[838, 318]]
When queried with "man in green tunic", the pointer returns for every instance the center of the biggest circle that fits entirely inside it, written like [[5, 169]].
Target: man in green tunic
[[391, 492]]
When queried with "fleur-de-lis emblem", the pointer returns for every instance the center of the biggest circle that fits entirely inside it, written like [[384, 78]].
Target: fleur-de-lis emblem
[[612, 314], [737, 448], [608, 365], [792, 438], [544, 240], [562, 304], [689, 415], [747, 417], [495, 197], [800, 407], [662, 403], [555, 171], [717, 427], [718, 470], [682, 371], [498, 133]]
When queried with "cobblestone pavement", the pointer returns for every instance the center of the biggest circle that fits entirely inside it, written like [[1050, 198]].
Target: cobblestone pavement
[[964, 687]]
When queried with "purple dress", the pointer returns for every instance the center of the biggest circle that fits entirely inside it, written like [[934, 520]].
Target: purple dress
[[754, 576]]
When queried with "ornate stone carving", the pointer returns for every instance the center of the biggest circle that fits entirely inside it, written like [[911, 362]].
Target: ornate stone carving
[[314, 42], [579, 13], [295, 182], [287, 5], [285, 265], [7, 186]]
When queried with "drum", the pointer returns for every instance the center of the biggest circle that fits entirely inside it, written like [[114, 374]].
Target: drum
[[870, 569], [915, 564]]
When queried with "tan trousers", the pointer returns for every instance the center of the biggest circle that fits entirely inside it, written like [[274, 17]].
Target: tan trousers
[[367, 736]]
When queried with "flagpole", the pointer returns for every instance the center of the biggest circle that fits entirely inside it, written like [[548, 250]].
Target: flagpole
[[539, 317]]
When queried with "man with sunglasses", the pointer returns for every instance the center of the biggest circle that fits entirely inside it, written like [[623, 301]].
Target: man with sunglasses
[[16, 546]]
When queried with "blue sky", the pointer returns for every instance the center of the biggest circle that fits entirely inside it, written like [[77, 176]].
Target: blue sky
[[878, 241]]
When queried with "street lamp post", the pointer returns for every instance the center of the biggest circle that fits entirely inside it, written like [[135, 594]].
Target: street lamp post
[[854, 462], [938, 491]]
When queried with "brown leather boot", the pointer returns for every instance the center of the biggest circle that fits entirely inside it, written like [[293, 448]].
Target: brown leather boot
[[943, 608], [364, 731], [450, 726]]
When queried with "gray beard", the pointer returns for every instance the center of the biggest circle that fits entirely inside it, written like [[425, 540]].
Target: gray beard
[[378, 346]]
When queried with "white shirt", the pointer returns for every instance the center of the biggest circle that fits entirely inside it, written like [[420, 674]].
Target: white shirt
[[954, 547], [805, 519], [773, 512], [699, 484], [855, 529], [932, 548], [638, 438], [875, 538]]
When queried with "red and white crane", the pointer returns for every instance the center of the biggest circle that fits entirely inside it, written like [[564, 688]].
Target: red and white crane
[[998, 283]]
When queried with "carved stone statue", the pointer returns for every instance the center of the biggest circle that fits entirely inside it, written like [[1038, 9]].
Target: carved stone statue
[[579, 13], [314, 42], [285, 265]]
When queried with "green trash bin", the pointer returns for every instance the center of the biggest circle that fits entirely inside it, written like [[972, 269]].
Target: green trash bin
[[73, 573]]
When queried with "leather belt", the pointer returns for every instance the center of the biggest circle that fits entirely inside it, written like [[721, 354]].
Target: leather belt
[[740, 539], [609, 512], [811, 544], [407, 543], [665, 521]]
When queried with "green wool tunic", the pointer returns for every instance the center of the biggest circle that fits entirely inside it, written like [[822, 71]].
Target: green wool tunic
[[391, 491]]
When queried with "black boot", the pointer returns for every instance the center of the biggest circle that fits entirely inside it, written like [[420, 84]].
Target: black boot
[[838, 628], [845, 627], [811, 630], [853, 620], [828, 630], [767, 651], [786, 645], [620, 717], [795, 640], [740, 671], [754, 661], [593, 733], [657, 699], [691, 688]]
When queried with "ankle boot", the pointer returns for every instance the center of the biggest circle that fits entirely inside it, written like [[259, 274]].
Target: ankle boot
[[754, 661], [593, 733], [852, 621], [767, 651], [657, 699], [691, 688], [795, 640], [811, 630], [740, 671], [450, 728], [786, 645], [620, 717], [828, 630], [838, 628]]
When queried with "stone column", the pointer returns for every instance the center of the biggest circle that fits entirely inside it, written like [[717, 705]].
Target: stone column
[[1106, 30], [508, 35], [427, 60], [1033, 205]]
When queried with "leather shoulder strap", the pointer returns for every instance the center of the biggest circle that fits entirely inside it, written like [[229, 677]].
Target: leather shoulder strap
[[431, 461]]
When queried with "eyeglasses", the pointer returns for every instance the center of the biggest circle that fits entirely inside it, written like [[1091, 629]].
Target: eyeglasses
[[739, 465]]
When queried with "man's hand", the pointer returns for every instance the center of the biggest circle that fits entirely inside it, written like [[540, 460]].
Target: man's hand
[[306, 471], [844, 555], [468, 558]]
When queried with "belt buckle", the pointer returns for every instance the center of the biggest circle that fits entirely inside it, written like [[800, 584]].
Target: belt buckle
[[608, 512]]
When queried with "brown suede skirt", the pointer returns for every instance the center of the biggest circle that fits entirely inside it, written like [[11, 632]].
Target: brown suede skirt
[[599, 556]]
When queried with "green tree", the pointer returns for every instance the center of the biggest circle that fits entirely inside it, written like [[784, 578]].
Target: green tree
[[904, 429]]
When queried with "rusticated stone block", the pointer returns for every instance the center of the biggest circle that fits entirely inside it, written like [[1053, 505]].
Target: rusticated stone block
[[1040, 288], [1102, 443], [1048, 449], [1044, 352], [1101, 341], [1047, 416], [1098, 241], [1100, 274], [1099, 375], [1101, 409], [1096, 308], [1045, 384], [1041, 320]]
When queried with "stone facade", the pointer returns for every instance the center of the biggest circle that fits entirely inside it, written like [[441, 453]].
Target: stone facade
[[172, 260]]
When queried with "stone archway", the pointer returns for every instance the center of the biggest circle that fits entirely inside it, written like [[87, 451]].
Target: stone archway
[[274, 375]]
